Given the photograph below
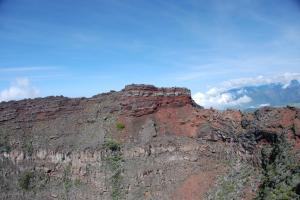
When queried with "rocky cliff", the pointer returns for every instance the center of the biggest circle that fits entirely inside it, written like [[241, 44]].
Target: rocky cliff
[[146, 143]]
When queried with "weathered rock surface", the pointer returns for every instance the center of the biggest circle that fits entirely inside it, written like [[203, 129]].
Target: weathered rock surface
[[140, 143], [139, 100]]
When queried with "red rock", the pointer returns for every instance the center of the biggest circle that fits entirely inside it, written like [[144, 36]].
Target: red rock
[[138, 100]]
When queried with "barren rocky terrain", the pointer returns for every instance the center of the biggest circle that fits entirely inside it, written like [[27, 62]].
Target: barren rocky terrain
[[145, 142]]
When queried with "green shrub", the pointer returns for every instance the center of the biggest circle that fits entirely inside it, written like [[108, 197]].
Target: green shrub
[[232, 185], [25, 180], [117, 193], [281, 172], [4, 148], [120, 126], [112, 145], [28, 148], [77, 182], [293, 128], [114, 161], [66, 178]]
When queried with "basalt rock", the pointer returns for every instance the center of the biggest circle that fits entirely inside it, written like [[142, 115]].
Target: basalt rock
[[142, 142]]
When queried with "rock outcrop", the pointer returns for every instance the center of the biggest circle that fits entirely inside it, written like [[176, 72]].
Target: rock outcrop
[[139, 100], [140, 143]]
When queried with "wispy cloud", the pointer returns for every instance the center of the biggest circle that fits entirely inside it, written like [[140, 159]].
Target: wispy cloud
[[26, 69], [249, 65], [259, 80], [196, 72], [20, 89]]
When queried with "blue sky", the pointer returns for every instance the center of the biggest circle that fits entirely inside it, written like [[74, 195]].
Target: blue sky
[[81, 48]]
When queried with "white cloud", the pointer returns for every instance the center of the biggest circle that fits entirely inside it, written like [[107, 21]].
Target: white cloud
[[260, 80], [219, 100], [20, 89], [264, 104], [219, 97], [255, 81]]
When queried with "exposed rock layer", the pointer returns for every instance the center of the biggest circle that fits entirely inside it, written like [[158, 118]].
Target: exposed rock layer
[[140, 143]]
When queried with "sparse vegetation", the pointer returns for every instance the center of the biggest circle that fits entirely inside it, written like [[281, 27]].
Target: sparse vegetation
[[66, 178], [112, 145], [120, 126], [232, 185], [4, 144], [4, 148], [77, 182], [293, 128], [25, 180], [117, 192], [28, 148], [33, 180], [281, 172], [114, 162]]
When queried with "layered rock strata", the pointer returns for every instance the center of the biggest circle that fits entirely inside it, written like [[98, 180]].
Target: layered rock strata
[[143, 142]]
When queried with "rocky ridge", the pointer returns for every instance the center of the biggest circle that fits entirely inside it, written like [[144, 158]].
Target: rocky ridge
[[143, 142]]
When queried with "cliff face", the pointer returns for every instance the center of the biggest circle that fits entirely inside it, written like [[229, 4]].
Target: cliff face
[[139, 100], [140, 143]]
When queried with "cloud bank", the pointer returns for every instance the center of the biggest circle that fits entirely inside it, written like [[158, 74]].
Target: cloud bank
[[219, 97], [219, 100], [19, 89]]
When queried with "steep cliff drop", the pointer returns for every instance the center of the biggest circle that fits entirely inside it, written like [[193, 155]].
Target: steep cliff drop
[[146, 142]]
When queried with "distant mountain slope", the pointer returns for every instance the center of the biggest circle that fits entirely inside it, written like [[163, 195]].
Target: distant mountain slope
[[274, 94]]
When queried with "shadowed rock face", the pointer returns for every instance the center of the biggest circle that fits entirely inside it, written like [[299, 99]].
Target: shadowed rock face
[[140, 143]]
